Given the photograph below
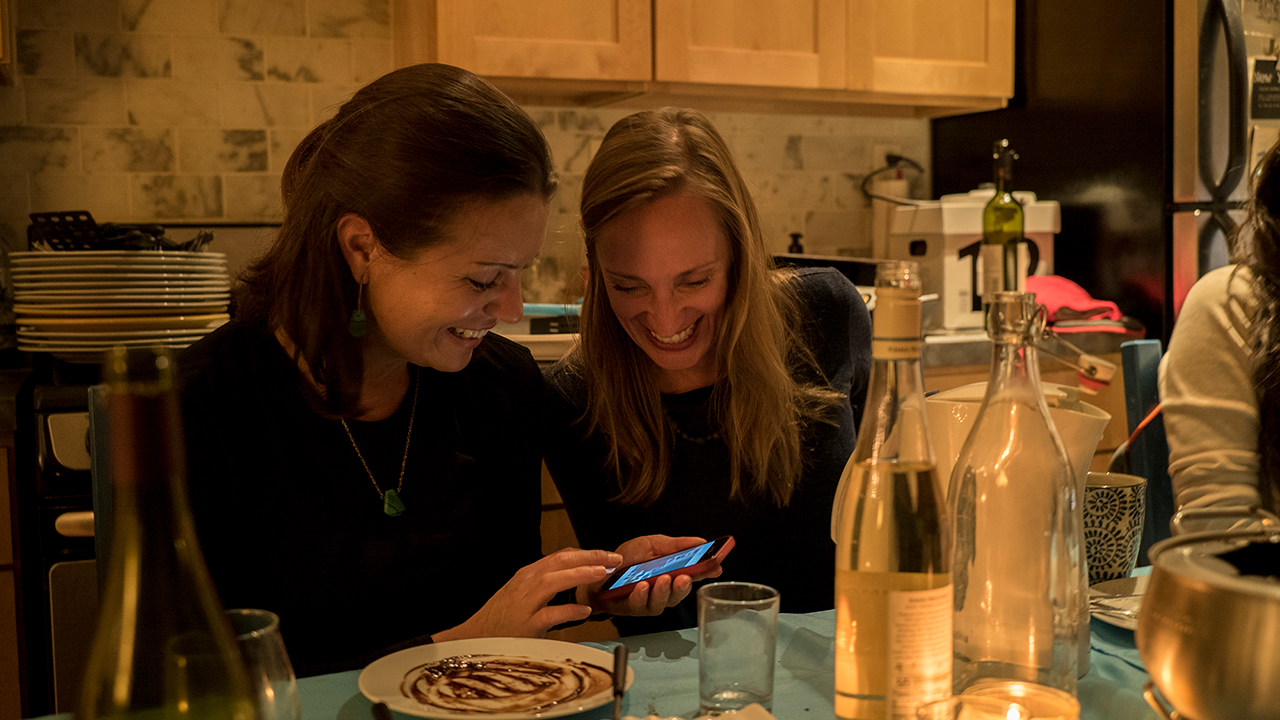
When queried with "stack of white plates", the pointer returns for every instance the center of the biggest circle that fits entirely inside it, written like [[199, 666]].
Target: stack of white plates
[[78, 303]]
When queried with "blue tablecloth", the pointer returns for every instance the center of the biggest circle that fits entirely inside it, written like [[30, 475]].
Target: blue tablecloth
[[666, 668]]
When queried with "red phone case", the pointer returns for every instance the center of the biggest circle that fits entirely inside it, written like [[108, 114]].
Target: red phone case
[[694, 569]]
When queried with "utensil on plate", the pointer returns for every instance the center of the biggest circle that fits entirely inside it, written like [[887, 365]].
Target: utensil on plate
[[619, 678]]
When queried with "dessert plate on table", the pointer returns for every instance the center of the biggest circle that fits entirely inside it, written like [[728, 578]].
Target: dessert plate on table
[[1117, 602], [568, 678]]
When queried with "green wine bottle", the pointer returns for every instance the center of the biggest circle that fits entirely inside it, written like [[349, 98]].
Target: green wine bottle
[[1003, 225], [163, 648]]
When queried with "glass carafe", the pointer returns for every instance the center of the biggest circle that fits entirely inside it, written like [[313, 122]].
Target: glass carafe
[[1019, 543]]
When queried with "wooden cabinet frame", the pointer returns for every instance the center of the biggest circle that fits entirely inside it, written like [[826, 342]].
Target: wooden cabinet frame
[[651, 59]]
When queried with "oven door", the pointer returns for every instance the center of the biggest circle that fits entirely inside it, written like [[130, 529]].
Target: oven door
[[58, 575]]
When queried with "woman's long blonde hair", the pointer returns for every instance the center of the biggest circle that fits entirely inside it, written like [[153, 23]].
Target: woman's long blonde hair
[[760, 407]]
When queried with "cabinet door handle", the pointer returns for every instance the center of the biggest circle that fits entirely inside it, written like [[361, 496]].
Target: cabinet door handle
[[75, 524]]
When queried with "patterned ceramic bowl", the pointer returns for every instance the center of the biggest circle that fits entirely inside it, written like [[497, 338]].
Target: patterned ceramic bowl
[[1114, 507]]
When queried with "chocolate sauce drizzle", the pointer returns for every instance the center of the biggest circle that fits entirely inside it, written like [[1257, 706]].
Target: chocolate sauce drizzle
[[502, 683]]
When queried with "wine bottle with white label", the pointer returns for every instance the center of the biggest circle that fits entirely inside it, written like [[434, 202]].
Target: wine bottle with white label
[[1003, 227], [892, 530]]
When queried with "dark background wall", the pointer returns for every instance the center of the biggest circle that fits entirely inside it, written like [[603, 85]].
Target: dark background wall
[[1090, 122]]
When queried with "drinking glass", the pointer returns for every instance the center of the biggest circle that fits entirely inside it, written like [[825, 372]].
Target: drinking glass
[[737, 639], [275, 688]]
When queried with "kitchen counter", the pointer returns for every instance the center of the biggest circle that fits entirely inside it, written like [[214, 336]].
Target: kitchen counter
[[973, 347]]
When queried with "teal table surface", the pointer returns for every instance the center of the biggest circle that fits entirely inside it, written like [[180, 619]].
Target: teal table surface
[[666, 677]]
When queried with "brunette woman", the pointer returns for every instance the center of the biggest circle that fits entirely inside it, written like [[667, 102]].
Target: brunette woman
[[364, 453], [1220, 379], [711, 394]]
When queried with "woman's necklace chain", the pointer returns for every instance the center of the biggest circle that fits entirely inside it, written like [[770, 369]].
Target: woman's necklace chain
[[391, 503], [695, 439]]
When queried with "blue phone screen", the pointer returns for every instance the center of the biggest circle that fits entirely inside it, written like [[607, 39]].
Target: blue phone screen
[[675, 561]]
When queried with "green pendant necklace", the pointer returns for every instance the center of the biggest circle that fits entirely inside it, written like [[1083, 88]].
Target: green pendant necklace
[[391, 503]]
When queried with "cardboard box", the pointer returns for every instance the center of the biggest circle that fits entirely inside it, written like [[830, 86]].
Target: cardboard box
[[944, 237]]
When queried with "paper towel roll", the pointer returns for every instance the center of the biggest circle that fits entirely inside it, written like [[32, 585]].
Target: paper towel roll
[[882, 212]]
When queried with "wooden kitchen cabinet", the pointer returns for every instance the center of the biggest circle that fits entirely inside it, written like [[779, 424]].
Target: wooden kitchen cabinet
[[922, 47], [932, 47], [904, 58], [557, 40], [785, 43]]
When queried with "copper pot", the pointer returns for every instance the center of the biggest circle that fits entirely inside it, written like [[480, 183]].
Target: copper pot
[[1208, 628]]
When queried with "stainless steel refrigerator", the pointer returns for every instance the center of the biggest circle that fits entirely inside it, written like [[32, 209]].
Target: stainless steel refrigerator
[[1142, 118]]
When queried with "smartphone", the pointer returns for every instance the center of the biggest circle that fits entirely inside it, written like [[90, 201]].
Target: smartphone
[[686, 562]]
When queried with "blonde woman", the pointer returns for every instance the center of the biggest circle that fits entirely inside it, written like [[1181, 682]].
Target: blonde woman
[[711, 394]]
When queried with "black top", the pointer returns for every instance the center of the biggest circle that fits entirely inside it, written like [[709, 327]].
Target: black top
[[289, 520], [788, 548]]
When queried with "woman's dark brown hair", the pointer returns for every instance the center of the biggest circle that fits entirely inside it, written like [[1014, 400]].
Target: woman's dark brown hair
[[1257, 246], [406, 153]]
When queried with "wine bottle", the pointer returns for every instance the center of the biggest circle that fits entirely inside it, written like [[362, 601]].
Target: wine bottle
[[1019, 542], [163, 646], [1003, 225], [893, 535]]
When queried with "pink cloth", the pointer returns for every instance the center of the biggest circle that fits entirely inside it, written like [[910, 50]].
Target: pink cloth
[[1065, 300]]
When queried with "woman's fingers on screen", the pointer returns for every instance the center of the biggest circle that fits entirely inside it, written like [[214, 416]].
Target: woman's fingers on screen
[[572, 557], [558, 580]]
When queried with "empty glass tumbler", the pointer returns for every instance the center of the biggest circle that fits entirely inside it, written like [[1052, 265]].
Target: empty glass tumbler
[[737, 640]]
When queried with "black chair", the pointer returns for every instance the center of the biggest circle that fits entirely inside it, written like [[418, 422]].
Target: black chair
[[1149, 452]]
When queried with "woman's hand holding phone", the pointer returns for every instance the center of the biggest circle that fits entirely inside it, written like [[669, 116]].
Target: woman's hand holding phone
[[648, 590], [520, 607]]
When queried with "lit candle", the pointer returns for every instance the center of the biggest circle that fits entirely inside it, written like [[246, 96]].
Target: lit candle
[[972, 707], [1040, 701]]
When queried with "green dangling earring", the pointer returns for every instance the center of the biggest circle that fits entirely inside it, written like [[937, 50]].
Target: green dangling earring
[[358, 325]]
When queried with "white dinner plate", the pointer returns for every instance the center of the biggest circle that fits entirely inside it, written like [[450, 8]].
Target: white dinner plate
[[187, 337], [37, 336], [1122, 594], [96, 347], [155, 307], [208, 284], [99, 267], [72, 259], [32, 312], [131, 275], [65, 290], [141, 295], [382, 680], [102, 324], [28, 255]]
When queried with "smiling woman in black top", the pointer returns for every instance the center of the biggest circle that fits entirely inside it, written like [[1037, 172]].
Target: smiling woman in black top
[[364, 454], [710, 394]]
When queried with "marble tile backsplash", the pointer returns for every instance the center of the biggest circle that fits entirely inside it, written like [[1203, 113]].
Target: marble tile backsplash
[[187, 110]]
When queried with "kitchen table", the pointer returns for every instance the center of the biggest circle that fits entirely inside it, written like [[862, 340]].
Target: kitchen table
[[666, 676]]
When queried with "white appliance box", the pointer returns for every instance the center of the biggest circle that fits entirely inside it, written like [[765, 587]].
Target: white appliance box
[[944, 236]]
